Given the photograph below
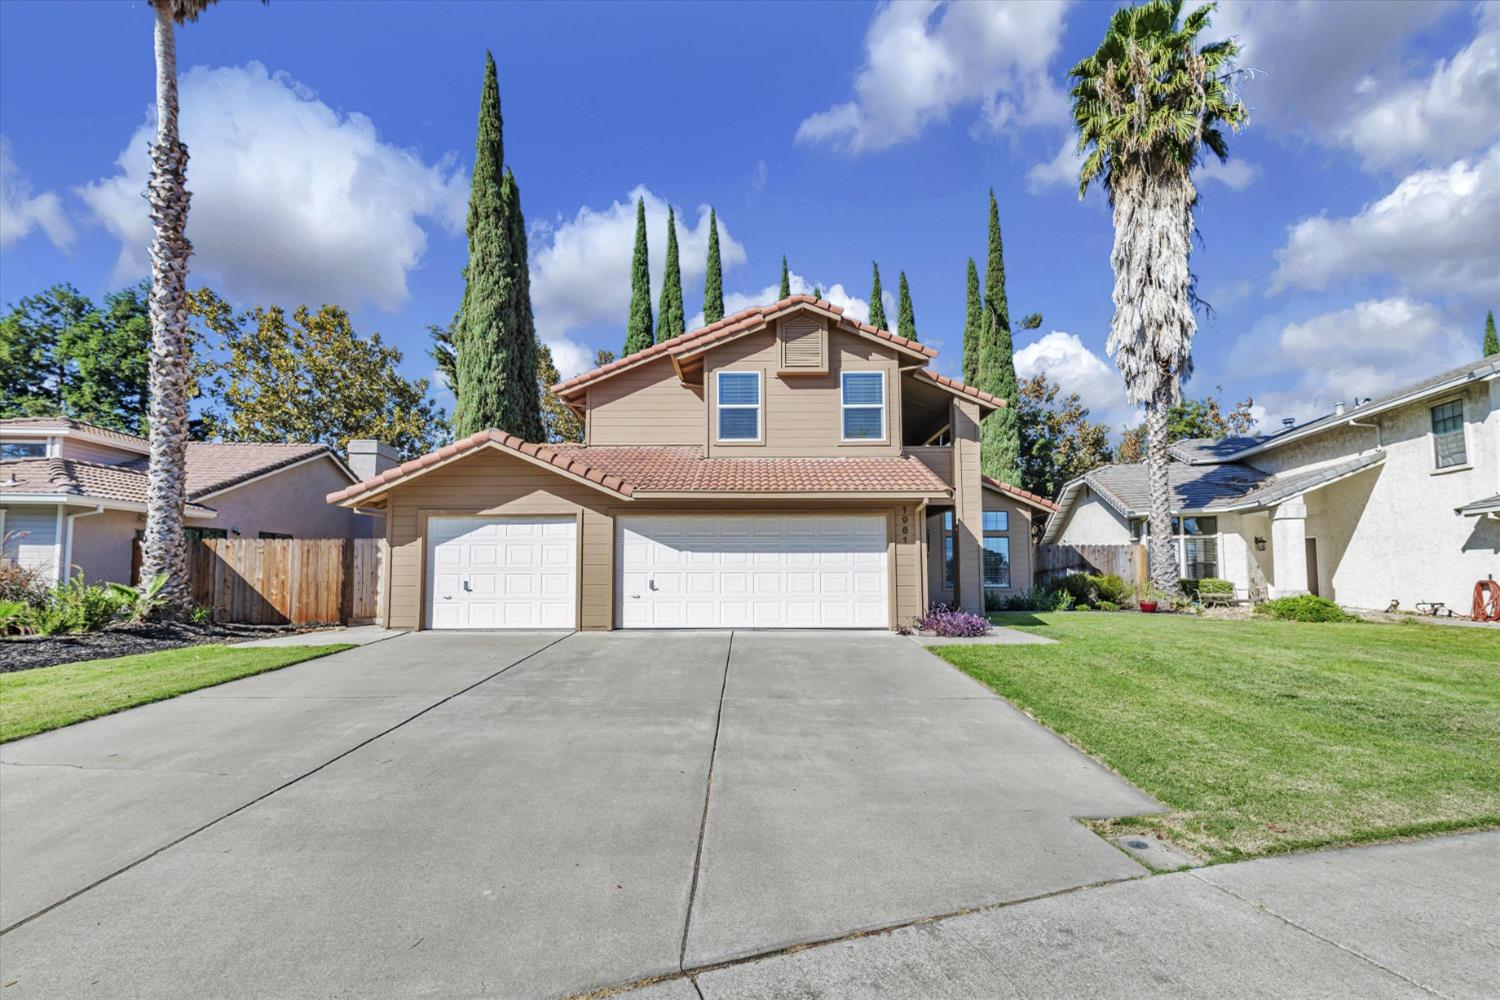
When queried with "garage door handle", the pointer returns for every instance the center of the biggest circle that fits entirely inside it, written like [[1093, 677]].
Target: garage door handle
[[651, 584], [466, 586]]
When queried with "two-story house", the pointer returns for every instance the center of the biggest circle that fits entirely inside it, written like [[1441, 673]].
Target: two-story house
[[73, 495], [1388, 499], [786, 467]]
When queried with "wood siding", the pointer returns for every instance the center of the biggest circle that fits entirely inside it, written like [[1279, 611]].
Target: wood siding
[[489, 482], [647, 405], [801, 414]]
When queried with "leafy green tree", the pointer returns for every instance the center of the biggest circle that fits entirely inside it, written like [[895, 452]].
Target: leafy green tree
[[999, 435], [670, 320], [906, 318], [1059, 442], [1491, 339], [786, 280], [973, 324], [561, 423], [1144, 105], [713, 280], [494, 343], [817, 291], [877, 305], [314, 379], [39, 371], [638, 334], [1193, 418]]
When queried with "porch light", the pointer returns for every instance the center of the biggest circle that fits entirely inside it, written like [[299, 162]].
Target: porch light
[[1260, 544]]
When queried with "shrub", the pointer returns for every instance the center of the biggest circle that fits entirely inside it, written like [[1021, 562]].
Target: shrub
[[1304, 608], [1110, 589], [15, 617], [1107, 606], [1036, 599], [1188, 588], [952, 623], [79, 606], [1078, 586], [20, 583]]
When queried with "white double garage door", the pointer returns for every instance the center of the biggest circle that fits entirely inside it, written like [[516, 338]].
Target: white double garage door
[[671, 571]]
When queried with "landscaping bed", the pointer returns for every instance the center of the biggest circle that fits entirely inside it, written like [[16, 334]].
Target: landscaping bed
[[1266, 736], [30, 652]]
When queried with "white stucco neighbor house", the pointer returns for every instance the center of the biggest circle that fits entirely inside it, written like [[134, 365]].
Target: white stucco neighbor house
[[73, 495], [1390, 499]]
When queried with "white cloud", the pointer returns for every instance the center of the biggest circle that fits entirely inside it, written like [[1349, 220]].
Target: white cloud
[[1435, 231], [292, 201], [854, 307], [1061, 169], [1364, 350], [924, 59], [1234, 174], [1314, 60], [580, 268], [21, 211], [1451, 113], [1064, 359]]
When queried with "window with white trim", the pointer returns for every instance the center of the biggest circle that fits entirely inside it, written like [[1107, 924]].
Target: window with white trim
[[1196, 541], [738, 399], [863, 402], [996, 524], [23, 449], [1448, 434]]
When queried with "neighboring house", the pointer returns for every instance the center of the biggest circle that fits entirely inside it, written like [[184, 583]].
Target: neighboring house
[[1393, 499], [73, 495], [785, 467]]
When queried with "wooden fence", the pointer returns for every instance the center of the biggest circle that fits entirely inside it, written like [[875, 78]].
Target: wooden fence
[[1128, 562], [278, 581]]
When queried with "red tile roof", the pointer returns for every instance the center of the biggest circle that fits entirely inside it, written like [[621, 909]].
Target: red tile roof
[[684, 470], [729, 326], [959, 387], [1026, 496], [631, 471]]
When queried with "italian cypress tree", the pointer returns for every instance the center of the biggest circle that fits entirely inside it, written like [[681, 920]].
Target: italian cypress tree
[[973, 323], [638, 329], [493, 339], [906, 319], [817, 291], [713, 281], [1491, 339], [877, 307], [522, 390], [786, 280], [669, 314], [1000, 433]]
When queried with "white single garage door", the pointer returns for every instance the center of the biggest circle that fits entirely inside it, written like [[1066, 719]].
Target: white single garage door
[[710, 571], [501, 572]]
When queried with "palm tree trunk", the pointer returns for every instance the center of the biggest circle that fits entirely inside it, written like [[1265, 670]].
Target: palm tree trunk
[[164, 547], [1162, 545]]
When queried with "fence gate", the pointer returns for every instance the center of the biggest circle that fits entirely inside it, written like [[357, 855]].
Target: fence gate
[[1128, 562], [281, 581]]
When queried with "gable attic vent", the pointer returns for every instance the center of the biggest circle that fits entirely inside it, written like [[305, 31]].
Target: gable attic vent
[[803, 345]]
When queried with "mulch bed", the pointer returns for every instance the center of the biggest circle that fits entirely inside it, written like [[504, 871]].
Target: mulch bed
[[29, 652]]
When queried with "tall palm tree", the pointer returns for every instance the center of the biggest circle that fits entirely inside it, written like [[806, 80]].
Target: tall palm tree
[[164, 545], [1145, 104]]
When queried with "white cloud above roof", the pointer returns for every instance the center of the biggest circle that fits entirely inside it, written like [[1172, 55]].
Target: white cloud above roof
[[1065, 359], [22, 212], [292, 200]]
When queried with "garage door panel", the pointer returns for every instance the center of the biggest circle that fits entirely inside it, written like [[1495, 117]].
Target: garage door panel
[[755, 571], [502, 572]]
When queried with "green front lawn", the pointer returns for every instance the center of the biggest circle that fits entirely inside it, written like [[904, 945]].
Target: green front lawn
[[1268, 736], [34, 701]]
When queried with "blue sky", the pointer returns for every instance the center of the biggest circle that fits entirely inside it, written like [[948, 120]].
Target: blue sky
[[1351, 245]]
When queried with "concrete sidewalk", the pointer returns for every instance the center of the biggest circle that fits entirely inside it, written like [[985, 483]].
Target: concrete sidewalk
[[1399, 920]]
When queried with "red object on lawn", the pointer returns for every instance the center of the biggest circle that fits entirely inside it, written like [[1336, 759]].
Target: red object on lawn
[[1149, 607], [1486, 601]]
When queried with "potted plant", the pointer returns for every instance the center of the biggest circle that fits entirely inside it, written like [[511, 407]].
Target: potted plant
[[1153, 600]]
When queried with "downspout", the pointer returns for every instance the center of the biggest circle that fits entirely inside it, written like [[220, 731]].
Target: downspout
[[1379, 445], [67, 566]]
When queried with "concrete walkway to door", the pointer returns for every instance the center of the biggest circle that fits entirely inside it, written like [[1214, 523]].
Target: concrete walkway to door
[[504, 814]]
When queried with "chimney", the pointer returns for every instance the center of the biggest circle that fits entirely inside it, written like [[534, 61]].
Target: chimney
[[1338, 408], [369, 458]]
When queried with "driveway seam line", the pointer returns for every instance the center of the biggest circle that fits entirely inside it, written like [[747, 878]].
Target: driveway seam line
[[708, 788], [284, 785], [1314, 934]]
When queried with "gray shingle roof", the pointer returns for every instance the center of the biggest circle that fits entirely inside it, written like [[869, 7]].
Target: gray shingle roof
[[1222, 487], [1208, 451], [1484, 506], [1279, 488]]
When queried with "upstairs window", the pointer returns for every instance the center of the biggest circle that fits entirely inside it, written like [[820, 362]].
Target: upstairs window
[[864, 406], [1448, 434], [738, 397], [23, 449]]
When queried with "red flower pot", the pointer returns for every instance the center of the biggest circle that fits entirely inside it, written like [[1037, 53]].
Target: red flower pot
[[1149, 607]]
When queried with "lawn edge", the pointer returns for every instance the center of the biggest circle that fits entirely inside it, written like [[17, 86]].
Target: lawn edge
[[321, 651]]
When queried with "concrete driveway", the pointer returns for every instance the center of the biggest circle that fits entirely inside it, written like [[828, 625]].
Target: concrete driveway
[[504, 814]]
